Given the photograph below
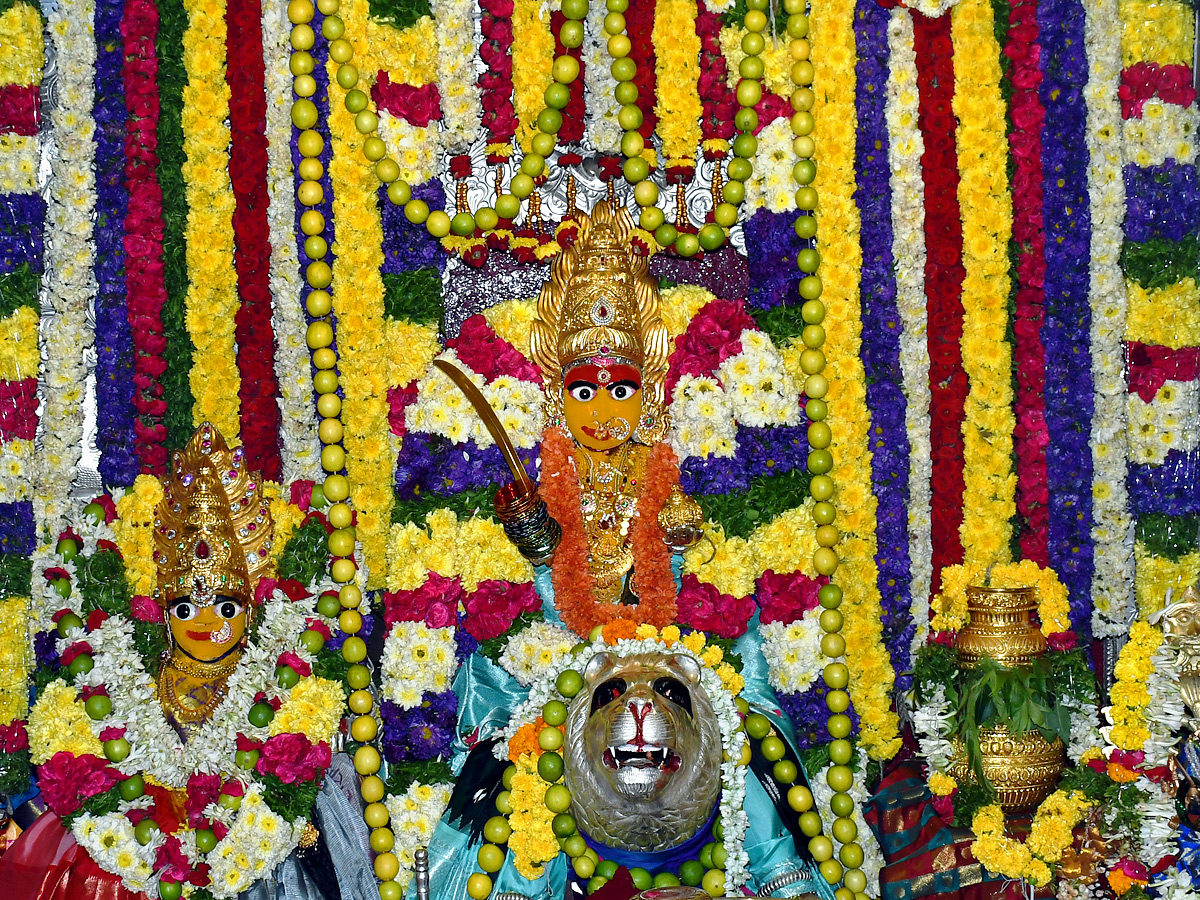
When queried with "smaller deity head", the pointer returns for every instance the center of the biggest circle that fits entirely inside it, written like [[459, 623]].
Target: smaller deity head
[[600, 339], [212, 537], [643, 751]]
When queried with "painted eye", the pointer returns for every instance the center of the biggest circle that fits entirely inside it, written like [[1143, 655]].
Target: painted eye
[[622, 391], [674, 690], [583, 392], [607, 692], [228, 609], [183, 610]]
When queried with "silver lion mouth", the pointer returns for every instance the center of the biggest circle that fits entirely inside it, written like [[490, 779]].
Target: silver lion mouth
[[646, 756]]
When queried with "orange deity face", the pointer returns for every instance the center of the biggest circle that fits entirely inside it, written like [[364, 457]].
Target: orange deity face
[[602, 402], [207, 633]]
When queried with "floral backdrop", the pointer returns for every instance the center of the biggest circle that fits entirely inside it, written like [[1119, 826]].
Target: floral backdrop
[[1004, 208]]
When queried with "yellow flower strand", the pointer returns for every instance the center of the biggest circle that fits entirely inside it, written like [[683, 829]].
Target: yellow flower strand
[[532, 842], [134, 531], [1130, 694], [1166, 317], [871, 673], [1158, 574], [409, 55], [358, 302], [22, 54], [677, 64], [211, 299], [14, 659], [59, 722], [19, 354], [1003, 855], [986, 206], [533, 60], [1157, 31], [314, 709]]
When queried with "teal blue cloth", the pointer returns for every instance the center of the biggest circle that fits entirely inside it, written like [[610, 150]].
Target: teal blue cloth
[[487, 697]]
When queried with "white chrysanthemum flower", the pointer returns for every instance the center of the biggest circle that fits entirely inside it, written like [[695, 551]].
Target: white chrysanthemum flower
[[534, 651]]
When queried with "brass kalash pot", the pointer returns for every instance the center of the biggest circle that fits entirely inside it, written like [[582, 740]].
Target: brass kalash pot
[[1024, 769]]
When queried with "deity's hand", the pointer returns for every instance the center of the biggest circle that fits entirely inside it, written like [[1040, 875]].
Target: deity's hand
[[527, 522]]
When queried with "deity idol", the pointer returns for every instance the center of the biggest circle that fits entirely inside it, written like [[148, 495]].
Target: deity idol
[[656, 779], [196, 788]]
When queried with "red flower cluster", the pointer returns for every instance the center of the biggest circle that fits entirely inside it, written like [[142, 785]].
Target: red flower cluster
[[144, 609], [1141, 81], [288, 658], [706, 609], [399, 399], [490, 355], [788, 596], [639, 26], [202, 789], [717, 101], [13, 738], [713, 335], [293, 757], [943, 282], [1031, 436], [1150, 367], [416, 105], [18, 409], [495, 84], [435, 603], [494, 605], [145, 288], [20, 109], [67, 780], [258, 391]]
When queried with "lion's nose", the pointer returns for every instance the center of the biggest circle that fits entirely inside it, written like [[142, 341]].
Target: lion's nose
[[639, 709]]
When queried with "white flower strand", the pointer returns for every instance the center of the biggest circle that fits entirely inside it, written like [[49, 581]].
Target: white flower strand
[[70, 281], [1112, 525], [298, 422], [603, 133], [462, 109], [905, 148]]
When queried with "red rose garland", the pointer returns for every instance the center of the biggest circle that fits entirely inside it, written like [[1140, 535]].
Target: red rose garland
[[495, 84], [639, 26], [144, 281], [258, 391], [1142, 81], [417, 106], [943, 283], [1030, 437], [20, 109], [716, 99]]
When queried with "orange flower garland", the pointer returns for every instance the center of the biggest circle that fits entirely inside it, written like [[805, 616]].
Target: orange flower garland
[[573, 590]]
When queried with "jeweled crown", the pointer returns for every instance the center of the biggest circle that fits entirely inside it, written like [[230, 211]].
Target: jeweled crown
[[213, 530]]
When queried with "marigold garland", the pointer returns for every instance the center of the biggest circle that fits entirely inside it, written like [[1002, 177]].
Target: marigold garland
[[651, 561], [533, 58], [986, 206], [1166, 317], [14, 656], [24, 49], [135, 535], [871, 673], [1156, 32], [677, 52], [1130, 694], [212, 298], [363, 357]]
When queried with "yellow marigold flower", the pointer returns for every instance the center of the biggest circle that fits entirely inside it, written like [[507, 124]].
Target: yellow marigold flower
[[694, 641], [532, 842], [19, 354], [313, 709], [941, 784], [14, 648], [646, 632], [58, 722], [23, 56]]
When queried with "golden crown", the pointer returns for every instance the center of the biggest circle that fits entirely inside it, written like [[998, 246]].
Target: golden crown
[[601, 301], [213, 529]]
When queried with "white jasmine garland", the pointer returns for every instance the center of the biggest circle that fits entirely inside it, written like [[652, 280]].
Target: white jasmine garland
[[792, 652], [1164, 131], [702, 419], [1168, 422], [416, 659], [301, 454], [70, 282], [413, 817], [457, 40], [18, 164], [416, 149], [1112, 525], [760, 389], [534, 651], [931, 727], [905, 148], [872, 862], [441, 408], [603, 133]]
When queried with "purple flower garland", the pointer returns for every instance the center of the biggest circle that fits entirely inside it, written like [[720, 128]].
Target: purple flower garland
[[16, 528], [22, 220], [1065, 331], [115, 436], [1163, 202], [1171, 488], [773, 450], [407, 247], [432, 464], [771, 248], [881, 327]]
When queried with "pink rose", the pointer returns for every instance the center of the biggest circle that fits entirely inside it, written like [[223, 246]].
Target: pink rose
[[146, 610], [14, 737], [1062, 641], [786, 598], [67, 780], [301, 494], [292, 758], [705, 608], [494, 605], [171, 862], [201, 791], [288, 658]]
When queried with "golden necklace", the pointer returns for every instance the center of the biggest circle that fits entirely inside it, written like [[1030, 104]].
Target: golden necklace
[[608, 500], [205, 694]]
